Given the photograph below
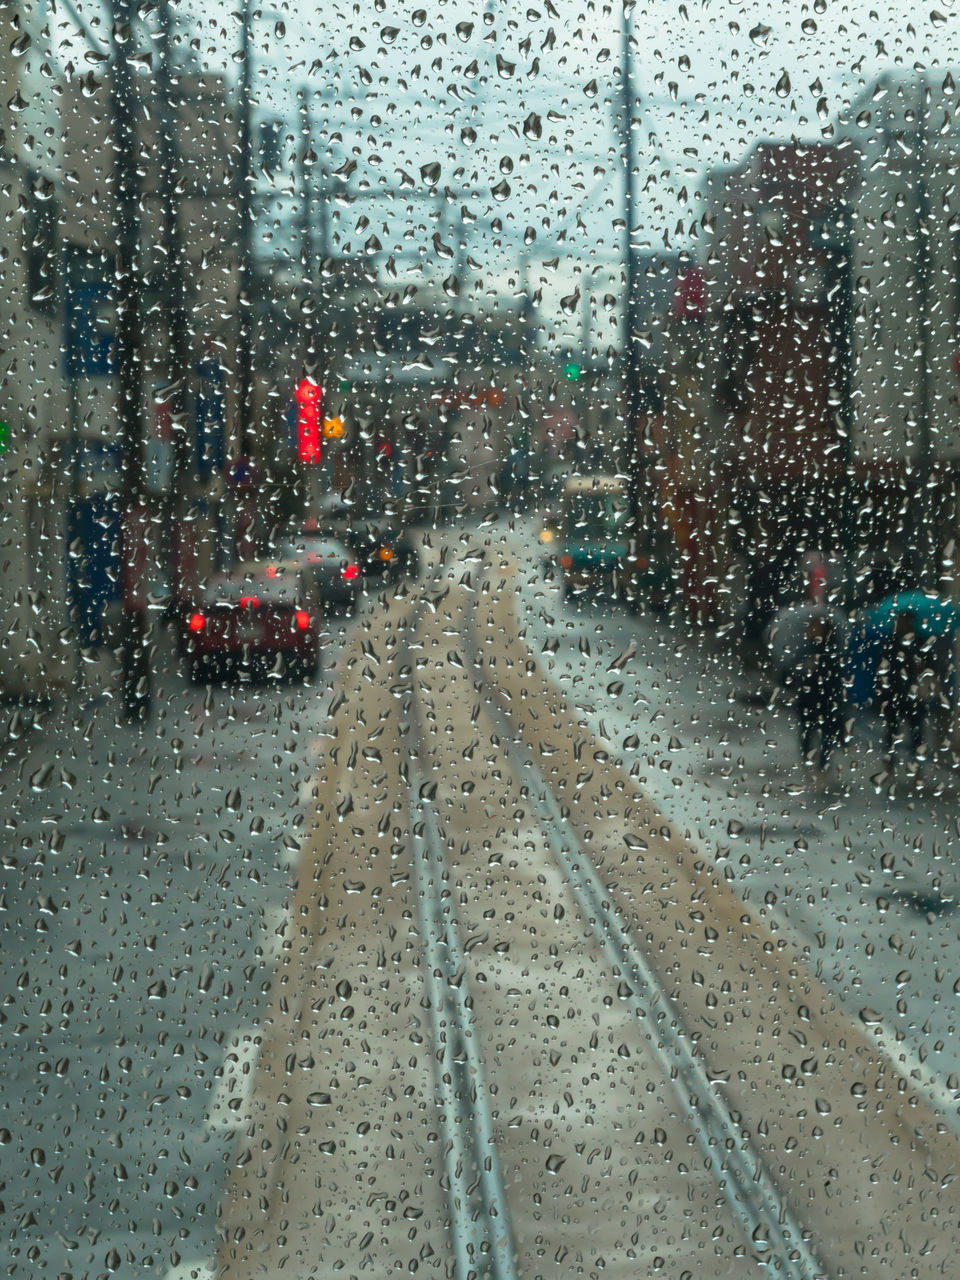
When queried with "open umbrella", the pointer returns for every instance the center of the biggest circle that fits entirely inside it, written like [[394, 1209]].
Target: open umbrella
[[935, 617], [788, 630]]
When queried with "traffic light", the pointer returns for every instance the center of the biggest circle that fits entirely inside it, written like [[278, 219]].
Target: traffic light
[[309, 421], [572, 370]]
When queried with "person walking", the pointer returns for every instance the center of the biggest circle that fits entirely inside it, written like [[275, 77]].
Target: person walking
[[816, 678], [905, 676]]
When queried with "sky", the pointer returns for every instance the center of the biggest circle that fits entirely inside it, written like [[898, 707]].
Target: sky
[[515, 110]]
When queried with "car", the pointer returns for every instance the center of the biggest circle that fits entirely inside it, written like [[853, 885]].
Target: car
[[334, 569], [383, 547], [260, 617]]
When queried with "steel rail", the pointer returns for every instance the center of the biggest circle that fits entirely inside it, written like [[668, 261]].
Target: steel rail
[[476, 1195], [766, 1217]]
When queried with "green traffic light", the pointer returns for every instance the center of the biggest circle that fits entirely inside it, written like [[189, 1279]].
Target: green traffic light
[[571, 371], [4, 436]]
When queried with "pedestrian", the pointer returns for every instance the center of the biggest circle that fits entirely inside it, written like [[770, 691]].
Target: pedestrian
[[816, 678], [765, 587], [904, 685]]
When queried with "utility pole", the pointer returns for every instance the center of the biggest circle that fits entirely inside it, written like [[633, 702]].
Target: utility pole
[[245, 244], [835, 231], [924, 513], [173, 290], [633, 459], [308, 252], [136, 696]]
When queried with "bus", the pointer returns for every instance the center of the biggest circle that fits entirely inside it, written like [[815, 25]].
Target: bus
[[594, 552], [594, 513]]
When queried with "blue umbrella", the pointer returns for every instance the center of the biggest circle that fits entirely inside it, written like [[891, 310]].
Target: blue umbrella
[[935, 617]]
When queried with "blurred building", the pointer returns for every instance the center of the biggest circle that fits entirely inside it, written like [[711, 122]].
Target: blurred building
[[193, 136], [427, 395], [905, 277], [768, 368]]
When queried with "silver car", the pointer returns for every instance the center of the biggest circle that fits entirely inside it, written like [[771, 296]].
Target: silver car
[[333, 567]]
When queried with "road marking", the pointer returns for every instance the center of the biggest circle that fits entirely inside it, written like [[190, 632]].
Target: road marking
[[309, 792], [904, 1059], [199, 1270], [230, 1105], [290, 854], [276, 932]]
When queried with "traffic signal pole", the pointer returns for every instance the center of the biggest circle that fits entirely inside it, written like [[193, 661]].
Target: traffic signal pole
[[633, 454], [245, 245], [173, 288], [136, 695]]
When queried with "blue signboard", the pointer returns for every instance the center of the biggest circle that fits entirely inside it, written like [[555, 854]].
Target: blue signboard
[[89, 318], [211, 419]]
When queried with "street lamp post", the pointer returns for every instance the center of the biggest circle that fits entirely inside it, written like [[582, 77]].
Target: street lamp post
[[923, 514], [134, 660], [835, 232], [173, 287], [245, 243], [634, 462]]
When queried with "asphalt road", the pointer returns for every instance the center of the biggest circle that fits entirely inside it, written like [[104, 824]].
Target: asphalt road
[[864, 876], [148, 877], [144, 879]]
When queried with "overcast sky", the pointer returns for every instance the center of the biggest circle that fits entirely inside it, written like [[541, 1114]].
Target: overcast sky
[[423, 96]]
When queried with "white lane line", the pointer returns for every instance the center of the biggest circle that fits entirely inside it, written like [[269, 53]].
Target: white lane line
[[290, 853], [276, 934], [230, 1105], [198, 1270], [309, 793], [904, 1059]]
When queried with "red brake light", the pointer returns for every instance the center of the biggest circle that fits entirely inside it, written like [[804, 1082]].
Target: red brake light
[[249, 602], [197, 622], [350, 571], [303, 619]]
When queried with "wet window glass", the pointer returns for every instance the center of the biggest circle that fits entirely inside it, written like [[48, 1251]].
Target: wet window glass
[[478, 640]]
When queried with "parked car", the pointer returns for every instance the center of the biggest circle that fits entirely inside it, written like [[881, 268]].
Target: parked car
[[333, 567], [381, 543], [262, 617]]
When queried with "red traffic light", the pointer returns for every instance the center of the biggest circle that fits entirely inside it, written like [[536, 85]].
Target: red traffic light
[[309, 421]]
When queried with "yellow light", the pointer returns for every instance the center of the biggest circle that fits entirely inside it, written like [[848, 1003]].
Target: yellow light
[[546, 535], [333, 429], [386, 553]]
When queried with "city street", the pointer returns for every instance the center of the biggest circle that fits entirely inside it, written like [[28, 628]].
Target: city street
[[172, 897], [480, 642]]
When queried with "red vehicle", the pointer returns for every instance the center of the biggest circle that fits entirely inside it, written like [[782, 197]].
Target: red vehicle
[[261, 618]]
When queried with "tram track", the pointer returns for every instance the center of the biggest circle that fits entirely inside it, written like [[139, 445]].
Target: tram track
[[501, 1032], [477, 1197], [479, 1218], [767, 1219]]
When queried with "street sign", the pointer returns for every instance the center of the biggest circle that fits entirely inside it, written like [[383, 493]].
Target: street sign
[[210, 418], [90, 327]]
